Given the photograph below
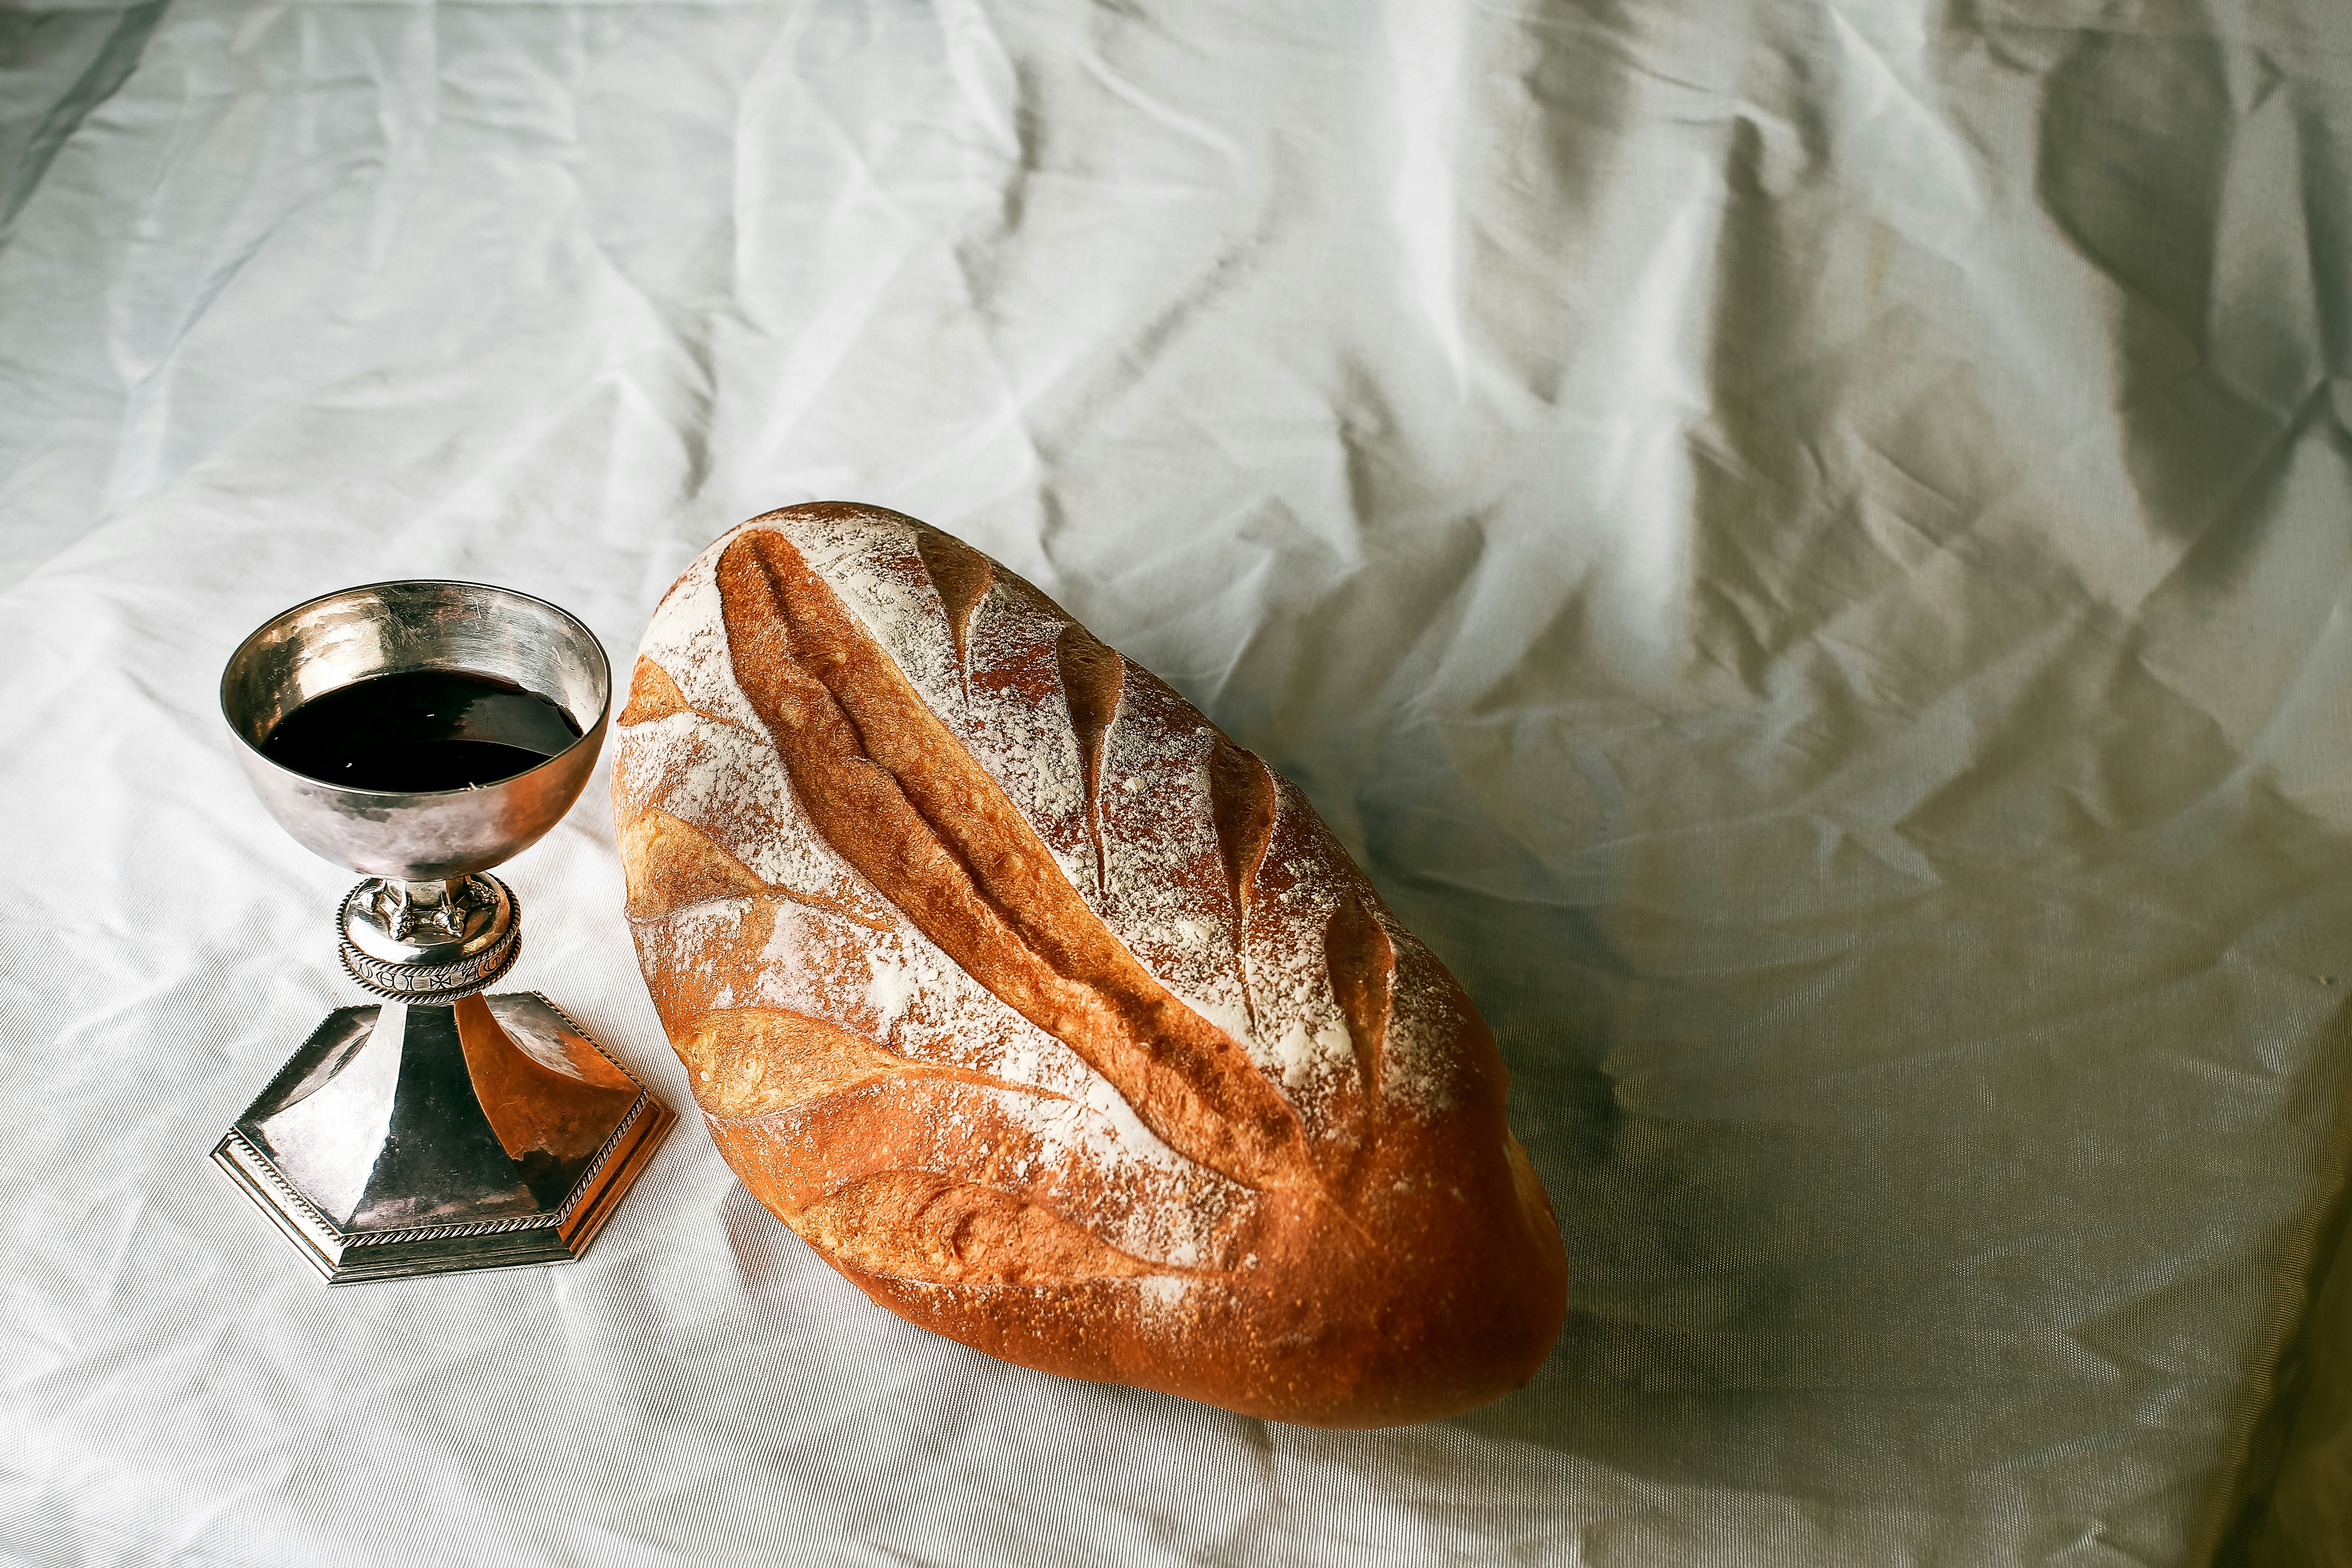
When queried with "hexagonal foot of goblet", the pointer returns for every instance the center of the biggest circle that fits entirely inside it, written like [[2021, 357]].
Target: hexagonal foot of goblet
[[408, 1139]]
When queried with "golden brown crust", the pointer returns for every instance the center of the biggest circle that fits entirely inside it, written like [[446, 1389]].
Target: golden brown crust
[[1053, 1019]]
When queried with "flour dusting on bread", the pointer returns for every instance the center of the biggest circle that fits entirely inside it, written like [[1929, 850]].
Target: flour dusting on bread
[[1051, 1017]]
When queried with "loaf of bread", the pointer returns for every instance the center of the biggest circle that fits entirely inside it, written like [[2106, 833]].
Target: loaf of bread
[[1054, 1020]]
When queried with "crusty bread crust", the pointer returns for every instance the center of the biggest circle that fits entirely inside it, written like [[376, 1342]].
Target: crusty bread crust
[[1054, 1020]]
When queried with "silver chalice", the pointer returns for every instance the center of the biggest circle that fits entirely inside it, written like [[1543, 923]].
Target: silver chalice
[[439, 1129]]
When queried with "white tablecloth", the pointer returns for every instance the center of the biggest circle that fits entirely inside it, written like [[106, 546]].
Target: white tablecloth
[[1804, 543]]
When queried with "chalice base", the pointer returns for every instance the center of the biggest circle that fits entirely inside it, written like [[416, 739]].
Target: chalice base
[[408, 1139]]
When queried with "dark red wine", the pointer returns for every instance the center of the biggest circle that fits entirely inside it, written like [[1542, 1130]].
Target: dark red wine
[[421, 729]]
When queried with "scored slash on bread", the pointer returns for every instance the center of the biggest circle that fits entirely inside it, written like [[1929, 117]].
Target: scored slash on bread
[[1049, 1016]]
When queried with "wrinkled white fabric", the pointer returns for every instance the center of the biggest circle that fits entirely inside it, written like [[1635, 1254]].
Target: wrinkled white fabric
[[1803, 542]]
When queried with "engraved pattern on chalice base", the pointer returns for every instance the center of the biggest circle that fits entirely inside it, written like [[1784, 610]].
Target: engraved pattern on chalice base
[[438, 1129]]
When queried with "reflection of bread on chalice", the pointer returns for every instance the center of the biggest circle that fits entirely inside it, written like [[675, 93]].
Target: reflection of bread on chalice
[[422, 733]]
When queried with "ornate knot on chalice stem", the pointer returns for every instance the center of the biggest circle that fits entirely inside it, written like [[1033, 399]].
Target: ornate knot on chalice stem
[[435, 911]]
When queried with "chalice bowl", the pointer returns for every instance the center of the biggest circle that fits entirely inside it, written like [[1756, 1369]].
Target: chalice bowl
[[422, 733]]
